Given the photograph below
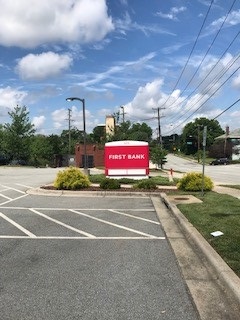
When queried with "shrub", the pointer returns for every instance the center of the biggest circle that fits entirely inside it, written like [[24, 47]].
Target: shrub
[[126, 180], [108, 183], [193, 182], [71, 179], [147, 184], [96, 178]]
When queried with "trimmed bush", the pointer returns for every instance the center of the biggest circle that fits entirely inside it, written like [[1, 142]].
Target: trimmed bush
[[71, 179], [110, 184], [146, 184], [126, 181], [96, 178], [193, 182]]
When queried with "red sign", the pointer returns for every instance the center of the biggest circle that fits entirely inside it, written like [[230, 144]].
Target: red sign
[[130, 155]]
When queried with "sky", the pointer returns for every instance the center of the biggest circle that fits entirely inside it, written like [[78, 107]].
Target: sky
[[126, 56]]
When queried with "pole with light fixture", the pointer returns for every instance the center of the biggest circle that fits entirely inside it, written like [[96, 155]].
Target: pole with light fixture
[[85, 167]]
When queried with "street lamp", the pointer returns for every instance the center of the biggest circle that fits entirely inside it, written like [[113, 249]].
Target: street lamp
[[84, 132]]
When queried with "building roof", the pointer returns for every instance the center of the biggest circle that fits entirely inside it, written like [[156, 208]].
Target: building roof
[[235, 134]]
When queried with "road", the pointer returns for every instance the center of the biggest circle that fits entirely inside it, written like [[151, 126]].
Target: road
[[84, 257], [222, 174]]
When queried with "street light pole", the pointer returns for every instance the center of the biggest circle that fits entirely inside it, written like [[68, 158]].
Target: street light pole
[[84, 132]]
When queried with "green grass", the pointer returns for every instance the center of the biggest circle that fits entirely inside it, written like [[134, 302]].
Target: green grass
[[218, 212]]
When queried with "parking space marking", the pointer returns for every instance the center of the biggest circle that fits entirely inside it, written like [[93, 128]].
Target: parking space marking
[[11, 188], [134, 217], [30, 234], [23, 185], [81, 238], [85, 213], [62, 224], [11, 200], [3, 195], [112, 224]]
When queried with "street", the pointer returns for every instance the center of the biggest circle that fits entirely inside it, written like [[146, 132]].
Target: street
[[84, 257], [221, 174]]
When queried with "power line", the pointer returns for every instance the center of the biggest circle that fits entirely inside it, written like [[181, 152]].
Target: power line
[[220, 72], [209, 48], [226, 109], [206, 99], [191, 52]]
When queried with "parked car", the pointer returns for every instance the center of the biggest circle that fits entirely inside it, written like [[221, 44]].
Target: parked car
[[220, 161]]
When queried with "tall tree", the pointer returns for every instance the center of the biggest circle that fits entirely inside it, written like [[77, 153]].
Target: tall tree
[[18, 134], [76, 136], [41, 150], [192, 135], [99, 134], [136, 131]]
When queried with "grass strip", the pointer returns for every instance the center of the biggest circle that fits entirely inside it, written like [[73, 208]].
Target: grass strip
[[218, 212]]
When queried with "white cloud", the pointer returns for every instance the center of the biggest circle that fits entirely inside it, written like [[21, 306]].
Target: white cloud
[[60, 116], [30, 23], [172, 14], [146, 98], [10, 97], [38, 122], [236, 82], [232, 20], [126, 24], [42, 66], [121, 67]]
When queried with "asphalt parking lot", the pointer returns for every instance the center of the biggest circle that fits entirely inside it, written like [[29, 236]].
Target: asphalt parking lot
[[86, 258]]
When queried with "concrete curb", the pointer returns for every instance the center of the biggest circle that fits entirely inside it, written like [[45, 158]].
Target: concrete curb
[[59, 193], [226, 275]]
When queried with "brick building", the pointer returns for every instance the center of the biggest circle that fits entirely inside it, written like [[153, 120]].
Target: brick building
[[95, 155]]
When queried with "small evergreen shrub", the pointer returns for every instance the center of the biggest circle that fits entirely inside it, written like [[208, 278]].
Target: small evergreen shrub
[[146, 184], [193, 182], [97, 178], [126, 180], [71, 179], [110, 184]]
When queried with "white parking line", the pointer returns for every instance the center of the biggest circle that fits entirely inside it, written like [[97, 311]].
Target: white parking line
[[5, 197], [112, 224], [23, 185], [82, 238], [62, 224], [11, 200], [134, 217], [10, 188], [30, 234]]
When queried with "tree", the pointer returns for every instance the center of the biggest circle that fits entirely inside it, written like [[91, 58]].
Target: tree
[[158, 156], [128, 131], [41, 150], [98, 135], [192, 135], [18, 134], [76, 136]]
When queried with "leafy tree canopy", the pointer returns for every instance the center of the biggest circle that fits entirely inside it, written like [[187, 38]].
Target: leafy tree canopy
[[18, 133], [136, 131], [158, 156], [195, 130]]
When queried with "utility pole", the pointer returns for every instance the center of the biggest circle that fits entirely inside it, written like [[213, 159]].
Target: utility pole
[[159, 125], [123, 114], [69, 131]]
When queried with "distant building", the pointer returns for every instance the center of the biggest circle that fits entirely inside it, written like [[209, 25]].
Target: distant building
[[95, 152], [110, 125], [232, 138]]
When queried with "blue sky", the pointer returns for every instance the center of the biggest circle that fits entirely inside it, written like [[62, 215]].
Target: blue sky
[[181, 56]]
